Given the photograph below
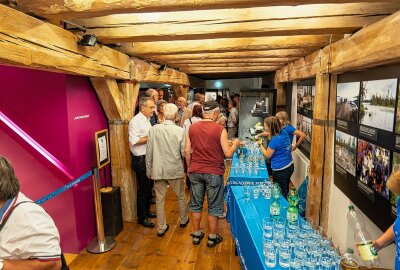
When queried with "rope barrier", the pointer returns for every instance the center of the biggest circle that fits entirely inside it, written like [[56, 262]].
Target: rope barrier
[[64, 188]]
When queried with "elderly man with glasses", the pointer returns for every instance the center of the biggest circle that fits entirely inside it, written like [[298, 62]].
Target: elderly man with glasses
[[139, 128], [165, 152]]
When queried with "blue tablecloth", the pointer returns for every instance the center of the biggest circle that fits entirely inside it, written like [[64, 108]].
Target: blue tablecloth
[[246, 225]]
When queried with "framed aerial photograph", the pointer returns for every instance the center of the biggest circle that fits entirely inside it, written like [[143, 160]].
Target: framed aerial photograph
[[347, 101], [346, 151], [373, 166], [102, 148], [377, 104]]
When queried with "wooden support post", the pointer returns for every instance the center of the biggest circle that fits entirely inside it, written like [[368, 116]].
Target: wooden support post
[[118, 101], [180, 91], [280, 96], [329, 153], [317, 155]]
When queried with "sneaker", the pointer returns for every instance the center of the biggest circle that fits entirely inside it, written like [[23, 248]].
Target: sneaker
[[212, 242], [197, 238], [147, 223]]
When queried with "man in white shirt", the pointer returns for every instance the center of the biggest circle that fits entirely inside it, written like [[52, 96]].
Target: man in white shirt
[[198, 99], [29, 238], [139, 128], [233, 120]]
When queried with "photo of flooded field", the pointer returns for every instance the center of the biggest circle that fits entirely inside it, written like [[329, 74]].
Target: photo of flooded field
[[396, 166], [377, 104], [373, 166], [345, 152], [347, 101]]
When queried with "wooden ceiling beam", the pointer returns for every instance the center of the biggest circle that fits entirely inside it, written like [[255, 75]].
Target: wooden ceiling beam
[[372, 46], [232, 61], [56, 9], [205, 70], [284, 53], [200, 65], [141, 49], [251, 22], [34, 44]]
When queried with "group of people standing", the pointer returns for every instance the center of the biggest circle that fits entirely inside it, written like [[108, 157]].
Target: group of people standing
[[182, 136]]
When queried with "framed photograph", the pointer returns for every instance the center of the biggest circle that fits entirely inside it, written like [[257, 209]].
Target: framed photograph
[[377, 103], [397, 129], [347, 101], [300, 96], [102, 148], [306, 127], [346, 151], [395, 168], [373, 166]]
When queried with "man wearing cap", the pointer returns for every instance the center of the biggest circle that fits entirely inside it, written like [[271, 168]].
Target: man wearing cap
[[206, 146]]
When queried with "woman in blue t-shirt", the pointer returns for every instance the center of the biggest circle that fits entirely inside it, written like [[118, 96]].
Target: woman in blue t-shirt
[[290, 130], [393, 233], [280, 151]]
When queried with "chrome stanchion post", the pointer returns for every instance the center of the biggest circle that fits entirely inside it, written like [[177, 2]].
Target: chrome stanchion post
[[100, 243]]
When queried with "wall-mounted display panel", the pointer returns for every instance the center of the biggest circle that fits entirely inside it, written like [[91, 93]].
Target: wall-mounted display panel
[[368, 116]]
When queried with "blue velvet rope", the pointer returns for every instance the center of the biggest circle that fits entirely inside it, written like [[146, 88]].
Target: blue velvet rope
[[64, 188]]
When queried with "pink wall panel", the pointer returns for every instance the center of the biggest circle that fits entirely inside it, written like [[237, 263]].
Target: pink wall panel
[[52, 108]]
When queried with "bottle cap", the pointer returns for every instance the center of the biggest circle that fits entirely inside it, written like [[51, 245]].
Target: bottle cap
[[351, 207]]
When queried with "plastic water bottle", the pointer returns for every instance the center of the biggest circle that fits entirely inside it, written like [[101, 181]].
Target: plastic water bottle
[[348, 261], [292, 211], [275, 206], [363, 241]]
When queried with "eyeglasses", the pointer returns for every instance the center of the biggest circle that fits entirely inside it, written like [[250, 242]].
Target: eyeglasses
[[151, 107]]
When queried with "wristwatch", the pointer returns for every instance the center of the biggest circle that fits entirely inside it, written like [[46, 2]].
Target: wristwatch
[[1, 264]]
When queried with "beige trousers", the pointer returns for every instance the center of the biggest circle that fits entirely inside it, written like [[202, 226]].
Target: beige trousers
[[161, 187]]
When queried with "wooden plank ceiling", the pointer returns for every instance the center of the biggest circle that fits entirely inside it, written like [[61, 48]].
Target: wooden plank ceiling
[[215, 38]]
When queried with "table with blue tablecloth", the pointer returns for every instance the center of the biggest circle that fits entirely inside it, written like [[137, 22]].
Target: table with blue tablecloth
[[243, 179], [246, 225]]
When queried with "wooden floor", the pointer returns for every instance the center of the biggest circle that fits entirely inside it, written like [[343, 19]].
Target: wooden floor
[[140, 248]]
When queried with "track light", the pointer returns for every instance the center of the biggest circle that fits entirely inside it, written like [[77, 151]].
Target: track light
[[162, 67], [88, 40]]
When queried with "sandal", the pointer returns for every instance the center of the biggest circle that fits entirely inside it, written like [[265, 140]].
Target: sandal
[[212, 242], [197, 238]]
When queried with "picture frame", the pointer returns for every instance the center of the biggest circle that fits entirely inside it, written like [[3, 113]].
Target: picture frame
[[102, 148]]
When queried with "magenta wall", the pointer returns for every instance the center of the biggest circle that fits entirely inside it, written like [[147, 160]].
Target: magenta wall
[[46, 105]]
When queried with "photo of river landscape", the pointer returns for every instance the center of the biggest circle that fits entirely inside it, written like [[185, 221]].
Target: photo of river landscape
[[377, 105]]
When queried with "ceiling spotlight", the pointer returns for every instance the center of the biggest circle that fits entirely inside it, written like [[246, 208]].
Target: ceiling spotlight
[[88, 40], [162, 67]]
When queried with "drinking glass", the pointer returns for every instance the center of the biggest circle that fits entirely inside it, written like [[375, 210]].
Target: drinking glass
[[284, 256], [247, 192], [295, 264], [267, 227], [270, 256], [256, 192]]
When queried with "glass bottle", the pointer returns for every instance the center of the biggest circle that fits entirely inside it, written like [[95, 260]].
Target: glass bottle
[[292, 211], [362, 238], [275, 206]]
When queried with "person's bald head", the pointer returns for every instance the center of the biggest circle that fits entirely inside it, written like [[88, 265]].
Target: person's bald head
[[153, 94]]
